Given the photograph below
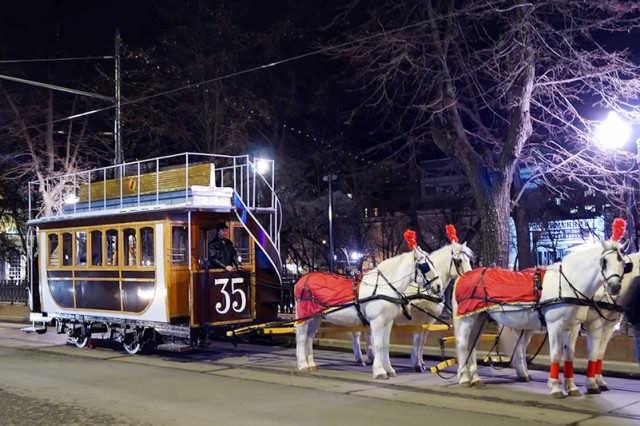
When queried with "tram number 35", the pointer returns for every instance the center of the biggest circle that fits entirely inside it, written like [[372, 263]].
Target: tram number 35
[[233, 293]]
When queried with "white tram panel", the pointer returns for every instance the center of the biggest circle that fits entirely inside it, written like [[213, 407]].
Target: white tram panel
[[156, 310]]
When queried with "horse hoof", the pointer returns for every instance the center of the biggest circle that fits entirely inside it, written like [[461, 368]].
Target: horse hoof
[[418, 369], [593, 391], [603, 388], [313, 369], [465, 384], [477, 384], [575, 392], [524, 379], [381, 377], [392, 374], [558, 395]]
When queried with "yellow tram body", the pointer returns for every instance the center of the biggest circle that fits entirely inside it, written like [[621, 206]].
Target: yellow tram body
[[128, 254]]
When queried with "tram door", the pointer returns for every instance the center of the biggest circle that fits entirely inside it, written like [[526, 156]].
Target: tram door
[[222, 297]]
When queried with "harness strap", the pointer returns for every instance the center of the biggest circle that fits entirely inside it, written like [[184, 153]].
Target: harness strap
[[537, 292], [401, 296], [356, 302]]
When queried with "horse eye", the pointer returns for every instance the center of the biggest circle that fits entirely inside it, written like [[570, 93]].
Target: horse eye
[[628, 267], [424, 267]]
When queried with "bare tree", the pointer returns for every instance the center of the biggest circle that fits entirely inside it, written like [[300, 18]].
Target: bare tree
[[498, 85]]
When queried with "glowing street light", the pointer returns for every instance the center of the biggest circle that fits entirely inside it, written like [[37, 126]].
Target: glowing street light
[[262, 166], [614, 132]]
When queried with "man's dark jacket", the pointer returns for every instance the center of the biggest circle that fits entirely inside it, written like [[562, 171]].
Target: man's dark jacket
[[222, 253]]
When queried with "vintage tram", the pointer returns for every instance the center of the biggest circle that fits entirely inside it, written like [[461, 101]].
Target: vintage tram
[[121, 251]]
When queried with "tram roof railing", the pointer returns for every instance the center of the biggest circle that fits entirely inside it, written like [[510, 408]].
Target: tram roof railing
[[163, 182]]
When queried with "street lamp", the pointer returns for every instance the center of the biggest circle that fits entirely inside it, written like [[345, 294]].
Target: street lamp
[[613, 133], [330, 178]]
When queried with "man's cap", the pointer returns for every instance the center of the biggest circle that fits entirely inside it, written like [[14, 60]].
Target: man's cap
[[221, 225]]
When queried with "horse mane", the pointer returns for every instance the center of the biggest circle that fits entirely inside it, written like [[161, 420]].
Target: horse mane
[[387, 263], [456, 247], [583, 247], [608, 245]]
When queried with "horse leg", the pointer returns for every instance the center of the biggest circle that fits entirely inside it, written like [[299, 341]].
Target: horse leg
[[476, 381], [570, 336], [416, 352], [555, 332], [377, 339], [607, 334], [594, 340], [367, 338], [519, 361], [357, 351], [305, 334], [385, 353], [423, 341], [467, 369]]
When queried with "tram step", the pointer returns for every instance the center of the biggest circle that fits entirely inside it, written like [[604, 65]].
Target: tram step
[[34, 329], [173, 347]]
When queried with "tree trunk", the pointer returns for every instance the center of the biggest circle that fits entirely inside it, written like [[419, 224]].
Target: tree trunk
[[525, 258], [493, 202]]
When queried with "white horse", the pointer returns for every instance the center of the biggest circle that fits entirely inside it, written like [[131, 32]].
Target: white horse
[[378, 302], [600, 322], [450, 262], [577, 276]]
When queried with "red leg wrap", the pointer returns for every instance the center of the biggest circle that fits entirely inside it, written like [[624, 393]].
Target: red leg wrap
[[554, 370], [591, 369], [599, 366], [568, 369]]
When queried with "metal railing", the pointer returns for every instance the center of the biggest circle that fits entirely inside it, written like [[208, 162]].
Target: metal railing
[[13, 291], [143, 184]]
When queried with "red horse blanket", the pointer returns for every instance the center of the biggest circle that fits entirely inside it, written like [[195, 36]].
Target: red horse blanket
[[484, 288], [317, 291]]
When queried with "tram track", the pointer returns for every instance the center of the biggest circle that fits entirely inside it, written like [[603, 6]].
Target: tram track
[[339, 374]]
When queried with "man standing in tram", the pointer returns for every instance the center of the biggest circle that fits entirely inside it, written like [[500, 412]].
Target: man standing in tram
[[222, 253]]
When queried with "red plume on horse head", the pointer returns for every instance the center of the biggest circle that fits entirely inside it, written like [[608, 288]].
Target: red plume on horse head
[[451, 233], [619, 227], [410, 238]]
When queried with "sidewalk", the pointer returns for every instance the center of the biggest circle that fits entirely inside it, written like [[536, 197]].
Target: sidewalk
[[17, 312]]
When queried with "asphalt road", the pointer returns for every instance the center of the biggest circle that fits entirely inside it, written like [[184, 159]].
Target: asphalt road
[[45, 381]]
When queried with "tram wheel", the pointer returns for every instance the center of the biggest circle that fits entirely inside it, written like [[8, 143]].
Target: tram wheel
[[132, 348], [81, 341]]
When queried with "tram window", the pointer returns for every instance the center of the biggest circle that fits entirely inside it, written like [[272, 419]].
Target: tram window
[[179, 245], [130, 257], [146, 246], [81, 248], [96, 248], [241, 242], [54, 251], [112, 247], [67, 251]]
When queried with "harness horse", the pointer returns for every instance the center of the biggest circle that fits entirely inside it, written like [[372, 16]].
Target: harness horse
[[378, 299], [565, 285], [450, 262], [600, 321]]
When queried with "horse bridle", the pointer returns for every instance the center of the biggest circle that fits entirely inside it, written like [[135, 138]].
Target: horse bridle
[[603, 264], [423, 268], [456, 262]]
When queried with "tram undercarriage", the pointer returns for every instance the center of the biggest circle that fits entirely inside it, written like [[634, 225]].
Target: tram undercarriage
[[136, 336]]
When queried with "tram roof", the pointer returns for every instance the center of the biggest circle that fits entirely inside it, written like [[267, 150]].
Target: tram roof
[[184, 181]]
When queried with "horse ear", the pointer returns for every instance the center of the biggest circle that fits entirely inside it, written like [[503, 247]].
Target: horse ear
[[464, 244], [625, 246]]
